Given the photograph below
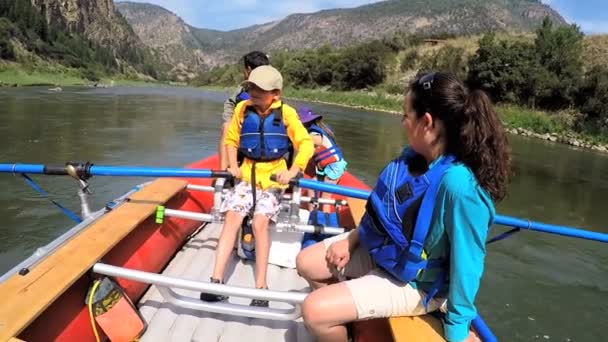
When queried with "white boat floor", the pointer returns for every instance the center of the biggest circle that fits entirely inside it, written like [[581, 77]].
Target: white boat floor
[[167, 322]]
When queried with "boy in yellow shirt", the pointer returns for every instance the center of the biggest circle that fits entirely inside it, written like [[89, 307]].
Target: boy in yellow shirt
[[261, 129]]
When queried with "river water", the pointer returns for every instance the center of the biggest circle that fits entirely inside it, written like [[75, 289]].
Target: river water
[[536, 286]]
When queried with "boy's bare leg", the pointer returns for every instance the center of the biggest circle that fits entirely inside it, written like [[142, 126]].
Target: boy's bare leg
[[262, 249], [225, 244]]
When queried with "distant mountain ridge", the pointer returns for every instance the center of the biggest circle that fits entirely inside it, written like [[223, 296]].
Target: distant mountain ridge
[[177, 42]]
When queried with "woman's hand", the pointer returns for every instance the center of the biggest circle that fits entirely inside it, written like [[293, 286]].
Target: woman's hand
[[338, 254], [473, 337]]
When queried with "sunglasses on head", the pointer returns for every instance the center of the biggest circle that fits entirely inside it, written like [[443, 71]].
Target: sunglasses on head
[[426, 81]]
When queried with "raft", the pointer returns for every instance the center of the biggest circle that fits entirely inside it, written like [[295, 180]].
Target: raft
[[162, 265]]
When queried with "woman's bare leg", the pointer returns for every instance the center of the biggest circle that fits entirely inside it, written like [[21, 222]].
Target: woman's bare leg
[[326, 310], [313, 267]]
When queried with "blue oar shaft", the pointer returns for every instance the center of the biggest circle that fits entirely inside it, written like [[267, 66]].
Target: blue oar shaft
[[500, 219], [552, 229], [131, 171], [22, 168], [134, 171], [484, 332]]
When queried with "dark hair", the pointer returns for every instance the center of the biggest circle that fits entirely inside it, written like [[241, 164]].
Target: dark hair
[[255, 59], [319, 122], [473, 131]]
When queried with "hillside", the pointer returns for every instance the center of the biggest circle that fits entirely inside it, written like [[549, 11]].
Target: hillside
[[82, 34], [171, 39], [336, 27]]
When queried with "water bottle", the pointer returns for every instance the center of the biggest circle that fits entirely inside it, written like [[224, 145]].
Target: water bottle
[[248, 241]]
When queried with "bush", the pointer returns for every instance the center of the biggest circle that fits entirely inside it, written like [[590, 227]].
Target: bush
[[593, 96], [409, 60], [447, 59], [91, 75]]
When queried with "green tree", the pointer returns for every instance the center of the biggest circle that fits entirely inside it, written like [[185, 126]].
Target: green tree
[[593, 96], [559, 51]]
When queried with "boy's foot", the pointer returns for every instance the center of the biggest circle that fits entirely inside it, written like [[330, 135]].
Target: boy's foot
[[211, 297], [259, 303]]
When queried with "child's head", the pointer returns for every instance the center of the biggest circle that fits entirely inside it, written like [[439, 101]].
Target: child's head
[[308, 116], [253, 60], [264, 86]]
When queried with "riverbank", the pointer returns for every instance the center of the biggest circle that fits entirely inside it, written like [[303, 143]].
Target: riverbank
[[554, 127], [62, 77]]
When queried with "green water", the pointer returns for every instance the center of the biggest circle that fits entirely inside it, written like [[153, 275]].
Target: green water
[[535, 285]]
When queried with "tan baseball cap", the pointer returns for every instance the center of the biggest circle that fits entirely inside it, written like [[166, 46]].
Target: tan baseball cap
[[266, 78]]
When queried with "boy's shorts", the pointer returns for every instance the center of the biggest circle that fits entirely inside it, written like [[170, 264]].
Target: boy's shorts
[[240, 199]]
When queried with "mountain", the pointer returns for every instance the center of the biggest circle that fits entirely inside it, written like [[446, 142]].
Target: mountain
[[81, 34], [179, 42], [172, 40], [96, 20]]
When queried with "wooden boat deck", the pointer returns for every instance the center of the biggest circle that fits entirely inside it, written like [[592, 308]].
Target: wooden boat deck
[[167, 322]]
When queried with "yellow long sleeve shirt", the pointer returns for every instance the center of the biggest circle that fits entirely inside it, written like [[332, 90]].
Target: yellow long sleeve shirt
[[296, 132]]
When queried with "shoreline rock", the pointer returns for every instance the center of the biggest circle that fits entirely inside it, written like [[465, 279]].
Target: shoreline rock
[[567, 139]]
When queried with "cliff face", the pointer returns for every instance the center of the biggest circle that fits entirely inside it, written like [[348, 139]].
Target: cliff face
[[97, 20], [169, 36]]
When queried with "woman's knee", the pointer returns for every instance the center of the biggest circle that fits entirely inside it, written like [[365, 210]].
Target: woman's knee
[[312, 312], [306, 261]]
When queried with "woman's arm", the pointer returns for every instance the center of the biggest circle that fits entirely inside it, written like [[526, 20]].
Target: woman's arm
[[467, 218]]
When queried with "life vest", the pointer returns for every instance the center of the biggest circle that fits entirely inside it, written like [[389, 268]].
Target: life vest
[[263, 139], [398, 217], [242, 96], [328, 152]]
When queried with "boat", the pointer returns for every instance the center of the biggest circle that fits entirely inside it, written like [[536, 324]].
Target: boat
[[44, 296], [157, 242]]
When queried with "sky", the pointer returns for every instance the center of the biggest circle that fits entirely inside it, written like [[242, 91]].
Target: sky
[[590, 15]]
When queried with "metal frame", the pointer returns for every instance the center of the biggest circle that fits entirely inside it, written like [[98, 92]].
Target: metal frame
[[306, 228], [206, 188], [166, 284]]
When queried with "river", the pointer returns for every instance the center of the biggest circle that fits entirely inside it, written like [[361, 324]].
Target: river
[[536, 286]]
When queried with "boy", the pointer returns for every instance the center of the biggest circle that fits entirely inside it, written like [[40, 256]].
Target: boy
[[262, 129], [251, 61]]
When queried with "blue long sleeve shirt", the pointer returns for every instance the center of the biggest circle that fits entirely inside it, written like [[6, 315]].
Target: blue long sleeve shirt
[[458, 232]]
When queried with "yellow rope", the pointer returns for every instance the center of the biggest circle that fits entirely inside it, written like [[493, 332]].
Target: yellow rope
[[95, 286]]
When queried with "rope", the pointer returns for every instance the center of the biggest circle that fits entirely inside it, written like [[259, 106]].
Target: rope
[[44, 194], [93, 324], [503, 235]]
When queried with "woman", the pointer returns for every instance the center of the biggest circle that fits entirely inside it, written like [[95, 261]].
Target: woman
[[420, 246]]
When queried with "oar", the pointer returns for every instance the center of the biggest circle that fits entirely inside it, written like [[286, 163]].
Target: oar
[[500, 219], [86, 170]]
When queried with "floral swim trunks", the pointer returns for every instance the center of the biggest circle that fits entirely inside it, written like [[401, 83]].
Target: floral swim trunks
[[240, 199]]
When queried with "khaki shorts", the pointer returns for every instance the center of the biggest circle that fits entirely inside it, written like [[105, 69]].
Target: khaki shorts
[[378, 294]]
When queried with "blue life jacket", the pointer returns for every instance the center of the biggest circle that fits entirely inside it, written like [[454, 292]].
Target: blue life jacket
[[325, 155], [242, 96], [264, 139], [398, 218]]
